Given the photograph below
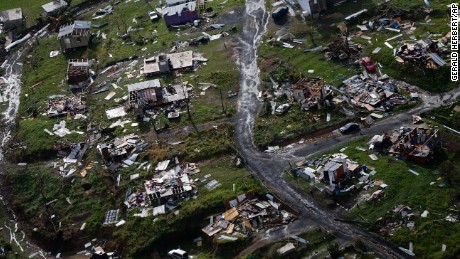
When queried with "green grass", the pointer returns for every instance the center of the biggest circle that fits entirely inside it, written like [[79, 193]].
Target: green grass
[[317, 239], [445, 115]]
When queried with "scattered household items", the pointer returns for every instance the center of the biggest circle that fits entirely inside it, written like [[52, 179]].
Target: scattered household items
[[74, 35], [122, 151]]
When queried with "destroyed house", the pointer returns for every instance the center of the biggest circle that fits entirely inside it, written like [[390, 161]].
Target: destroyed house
[[77, 71], [371, 94], [417, 145], [171, 187], [74, 35], [335, 170], [310, 92], [55, 7], [179, 12], [59, 105], [145, 94], [164, 63], [11, 19], [121, 150], [308, 88], [248, 214]]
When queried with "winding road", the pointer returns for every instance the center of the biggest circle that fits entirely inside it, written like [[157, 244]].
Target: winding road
[[269, 167]]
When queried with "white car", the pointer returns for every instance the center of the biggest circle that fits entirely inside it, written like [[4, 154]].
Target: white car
[[178, 254], [154, 16], [282, 109]]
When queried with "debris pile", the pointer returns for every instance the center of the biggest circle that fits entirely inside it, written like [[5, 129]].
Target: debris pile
[[122, 151], [342, 48], [372, 93], [62, 105], [246, 214], [424, 52], [169, 186], [312, 93]]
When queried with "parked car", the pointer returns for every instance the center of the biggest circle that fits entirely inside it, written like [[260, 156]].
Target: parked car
[[367, 63], [178, 254], [280, 12], [349, 127], [154, 16], [282, 109]]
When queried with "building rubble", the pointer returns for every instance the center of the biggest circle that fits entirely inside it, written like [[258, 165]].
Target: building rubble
[[372, 94], [425, 52], [246, 214], [60, 105]]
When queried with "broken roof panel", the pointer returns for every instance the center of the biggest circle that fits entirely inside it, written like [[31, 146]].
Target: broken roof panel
[[70, 28], [54, 5], [11, 15], [181, 59], [155, 83]]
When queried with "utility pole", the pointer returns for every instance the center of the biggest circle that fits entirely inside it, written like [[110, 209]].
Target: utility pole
[[222, 101], [187, 100]]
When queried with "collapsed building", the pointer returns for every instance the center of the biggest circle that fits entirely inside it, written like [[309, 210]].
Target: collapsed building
[[418, 144], [372, 93], [77, 71], [311, 92], [122, 151], [248, 213], [164, 190], [74, 35], [424, 52], [169, 186], [59, 105], [165, 63]]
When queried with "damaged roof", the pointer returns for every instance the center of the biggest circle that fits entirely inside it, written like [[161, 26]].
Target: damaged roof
[[70, 28], [155, 83]]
